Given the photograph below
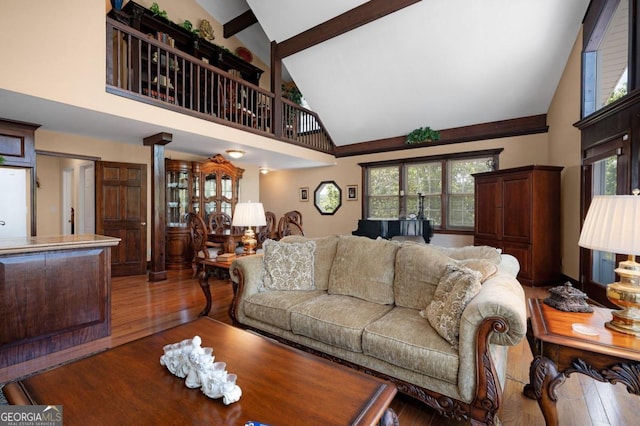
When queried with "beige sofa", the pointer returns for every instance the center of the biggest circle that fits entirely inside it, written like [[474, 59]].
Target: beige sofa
[[437, 322]]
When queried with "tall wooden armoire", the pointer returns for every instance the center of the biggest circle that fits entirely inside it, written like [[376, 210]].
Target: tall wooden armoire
[[518, 211]]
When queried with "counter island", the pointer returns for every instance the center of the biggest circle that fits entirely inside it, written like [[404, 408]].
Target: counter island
[[55, 292]]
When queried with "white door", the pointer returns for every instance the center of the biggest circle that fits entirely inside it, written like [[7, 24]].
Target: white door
[[13, 212]]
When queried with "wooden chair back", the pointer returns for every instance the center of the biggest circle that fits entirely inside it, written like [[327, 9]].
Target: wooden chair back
[[219, 223], [290, 224], [198, 231], [270, 230]]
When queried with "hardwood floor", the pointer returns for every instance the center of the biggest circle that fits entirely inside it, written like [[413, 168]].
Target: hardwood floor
[[140, 308]]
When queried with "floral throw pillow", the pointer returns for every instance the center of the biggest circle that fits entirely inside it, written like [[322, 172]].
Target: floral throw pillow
[[288, 266], [456, 288]]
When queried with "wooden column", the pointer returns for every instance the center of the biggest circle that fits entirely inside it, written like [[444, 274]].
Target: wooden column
[[276, 88], [157, 271]]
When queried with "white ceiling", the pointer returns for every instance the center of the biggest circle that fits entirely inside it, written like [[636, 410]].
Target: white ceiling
[[441, 63]]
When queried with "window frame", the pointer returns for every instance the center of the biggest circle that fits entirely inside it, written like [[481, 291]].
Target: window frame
[[444, 159]]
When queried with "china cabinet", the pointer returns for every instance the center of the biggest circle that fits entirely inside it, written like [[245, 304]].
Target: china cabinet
[[202, 188]]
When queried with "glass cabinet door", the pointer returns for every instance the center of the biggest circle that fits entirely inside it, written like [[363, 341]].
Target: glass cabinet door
[[226, 192], [178, 198], [195, 193], [210, 194]]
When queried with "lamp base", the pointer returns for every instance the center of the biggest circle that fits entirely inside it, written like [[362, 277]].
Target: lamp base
[[249, 241], [626, 295], [625, 321]]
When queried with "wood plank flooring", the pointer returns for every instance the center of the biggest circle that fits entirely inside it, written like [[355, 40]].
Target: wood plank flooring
[[141, 308]]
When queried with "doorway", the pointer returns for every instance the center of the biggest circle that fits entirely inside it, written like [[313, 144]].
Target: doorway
[[13, 218]]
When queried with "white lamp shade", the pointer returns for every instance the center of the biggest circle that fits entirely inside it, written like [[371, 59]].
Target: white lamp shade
[[249, 214], [612, 224]]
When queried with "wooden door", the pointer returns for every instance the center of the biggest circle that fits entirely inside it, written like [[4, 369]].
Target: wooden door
[[517, 207], [121, 211], [488, 209]]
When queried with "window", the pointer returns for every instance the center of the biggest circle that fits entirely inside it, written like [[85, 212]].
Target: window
[[438, 188], [605, 57]]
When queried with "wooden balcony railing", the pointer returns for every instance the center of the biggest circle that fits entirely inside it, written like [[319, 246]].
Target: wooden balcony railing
[[148, 70]]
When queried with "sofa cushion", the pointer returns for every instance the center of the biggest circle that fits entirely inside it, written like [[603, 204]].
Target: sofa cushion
[[405, 339], [456, 288], [273, 307], [288, 266], [364, 268], [472, 252], [418, 269], [324, 255], [335, 319]]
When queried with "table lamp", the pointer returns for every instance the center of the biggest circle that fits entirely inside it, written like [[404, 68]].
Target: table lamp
[[613, 225], [249, 214]]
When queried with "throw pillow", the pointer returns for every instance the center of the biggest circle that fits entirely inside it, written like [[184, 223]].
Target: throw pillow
[[456, 288], [323, 256], [288, 266], [486, 267]]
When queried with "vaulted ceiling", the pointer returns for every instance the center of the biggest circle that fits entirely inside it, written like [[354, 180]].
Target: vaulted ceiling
[[441, 63]]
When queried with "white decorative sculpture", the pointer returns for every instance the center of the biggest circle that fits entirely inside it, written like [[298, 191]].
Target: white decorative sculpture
[[189, 360]]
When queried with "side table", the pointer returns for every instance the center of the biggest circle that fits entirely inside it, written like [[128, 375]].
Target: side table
[[211, 267], [558, 351]]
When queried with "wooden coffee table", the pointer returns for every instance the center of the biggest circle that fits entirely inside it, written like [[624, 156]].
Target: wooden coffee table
[[280, 385], [558, 351]]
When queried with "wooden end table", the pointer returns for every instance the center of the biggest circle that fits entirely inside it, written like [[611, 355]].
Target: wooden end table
[[280, 385], [212, 267], [558, 351]]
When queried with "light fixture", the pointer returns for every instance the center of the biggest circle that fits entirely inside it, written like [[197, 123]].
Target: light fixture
[[235, 153], [249, 214], [263, 170], [613, 225]]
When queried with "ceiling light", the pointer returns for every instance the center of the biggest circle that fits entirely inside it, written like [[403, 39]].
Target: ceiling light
[[263, 170], [235, 153]]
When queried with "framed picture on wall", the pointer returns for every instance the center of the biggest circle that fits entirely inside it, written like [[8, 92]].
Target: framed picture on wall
[[352, 192], [304, 194]]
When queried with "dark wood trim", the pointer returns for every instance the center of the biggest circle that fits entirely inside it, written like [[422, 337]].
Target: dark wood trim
[[157, 271], [596, 21], [239, 23], [498, 129], [449, 156], [610, 110], [65, 155], [354, 18]]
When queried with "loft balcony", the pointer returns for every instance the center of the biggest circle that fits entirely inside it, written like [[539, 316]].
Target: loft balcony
[[154, 70]]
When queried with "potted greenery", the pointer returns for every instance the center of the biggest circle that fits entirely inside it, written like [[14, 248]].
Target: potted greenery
[[292, 93], [422, 134]]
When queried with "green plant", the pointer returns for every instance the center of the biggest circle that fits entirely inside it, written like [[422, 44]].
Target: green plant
[[292, 93], [1, 160], [155, 9], [422, 134], [187, 25]]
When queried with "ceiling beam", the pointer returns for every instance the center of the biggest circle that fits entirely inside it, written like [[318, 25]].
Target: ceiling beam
[[354, 18], [239, 23], [477, 132]]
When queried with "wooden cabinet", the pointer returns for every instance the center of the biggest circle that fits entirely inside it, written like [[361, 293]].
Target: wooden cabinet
[[518, 211], [203, 188]]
